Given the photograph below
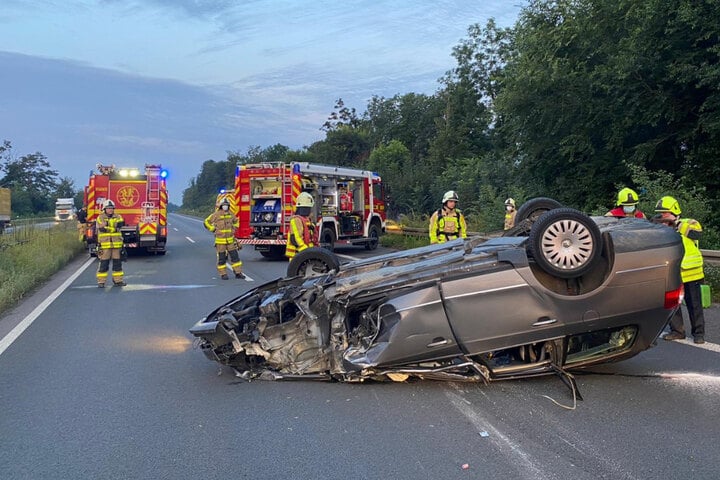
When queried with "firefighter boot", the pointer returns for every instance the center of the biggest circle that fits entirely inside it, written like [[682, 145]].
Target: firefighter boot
[[239, 275], [224, 276]]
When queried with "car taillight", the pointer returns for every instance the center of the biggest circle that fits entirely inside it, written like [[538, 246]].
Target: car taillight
[[163, 231], [673, 298]]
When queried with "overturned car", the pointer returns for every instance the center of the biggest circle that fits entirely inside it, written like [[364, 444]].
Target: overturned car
[[562, 292]]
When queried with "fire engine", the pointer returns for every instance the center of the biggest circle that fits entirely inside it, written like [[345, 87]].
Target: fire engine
[[349, 204], [140, 197]]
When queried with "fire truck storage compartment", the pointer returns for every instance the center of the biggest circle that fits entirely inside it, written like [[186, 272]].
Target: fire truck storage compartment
[[351, 224]]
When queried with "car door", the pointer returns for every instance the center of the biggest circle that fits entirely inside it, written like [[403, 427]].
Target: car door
[[498, 309]]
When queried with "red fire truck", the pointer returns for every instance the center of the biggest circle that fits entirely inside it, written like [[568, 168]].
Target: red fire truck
[[349, 204], [140, 197]]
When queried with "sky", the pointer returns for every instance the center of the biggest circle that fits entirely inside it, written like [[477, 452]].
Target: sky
[[179, 82]]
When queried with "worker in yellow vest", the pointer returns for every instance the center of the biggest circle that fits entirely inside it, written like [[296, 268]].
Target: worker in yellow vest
[[691, 269]]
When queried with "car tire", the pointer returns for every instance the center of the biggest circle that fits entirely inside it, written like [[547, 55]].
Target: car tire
[[565, 243], [373, 237], [313, 261], [327, 238]]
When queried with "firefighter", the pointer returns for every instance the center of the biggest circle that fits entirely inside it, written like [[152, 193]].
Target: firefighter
[[223, 223], [691, 269], [82, 222], [302, 230], [626, 205], [510, 213], [110, 244], [447, 223]]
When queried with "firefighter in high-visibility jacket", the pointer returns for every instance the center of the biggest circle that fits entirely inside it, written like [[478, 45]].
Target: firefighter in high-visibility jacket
[[447, 223], [691, 269], [223, 223], [302, 230], [510, 213], [110, 244]]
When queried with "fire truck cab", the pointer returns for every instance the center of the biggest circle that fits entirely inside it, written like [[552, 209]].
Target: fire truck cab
[[140, 197], [349, 204]]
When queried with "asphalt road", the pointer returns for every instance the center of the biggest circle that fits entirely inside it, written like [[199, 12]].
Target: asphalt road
[[106, 384]]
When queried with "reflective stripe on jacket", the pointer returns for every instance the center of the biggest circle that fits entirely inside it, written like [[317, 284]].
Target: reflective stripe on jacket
[[301, 235], [108, 233], [691, 267], [447, 225], [223, 225]]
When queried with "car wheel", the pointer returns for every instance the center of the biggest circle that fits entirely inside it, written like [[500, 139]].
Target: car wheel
[[313, 261], [565, 243], [528, 213], [373, 237], [327, 238]]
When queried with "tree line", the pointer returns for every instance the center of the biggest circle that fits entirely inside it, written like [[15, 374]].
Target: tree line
[[34, 184], [575, 101]]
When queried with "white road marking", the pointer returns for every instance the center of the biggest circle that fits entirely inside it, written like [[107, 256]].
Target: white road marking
[[527, 466], [27, 321], [176, 229], [190, 240], [713, 347]]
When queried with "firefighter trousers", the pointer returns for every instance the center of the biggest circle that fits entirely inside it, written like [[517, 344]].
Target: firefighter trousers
[[225, 251], [105, 255]]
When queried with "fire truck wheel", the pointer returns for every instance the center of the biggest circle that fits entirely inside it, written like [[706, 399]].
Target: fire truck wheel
[[373, 237], [327, 238], [313, 261], [275, 253]]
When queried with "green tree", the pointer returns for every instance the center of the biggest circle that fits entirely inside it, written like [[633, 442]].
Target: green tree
[[65, 188], [594, 85], [31, 179], [410, 119]]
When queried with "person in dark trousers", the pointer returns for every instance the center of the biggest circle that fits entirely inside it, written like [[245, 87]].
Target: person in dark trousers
[[691, 269]]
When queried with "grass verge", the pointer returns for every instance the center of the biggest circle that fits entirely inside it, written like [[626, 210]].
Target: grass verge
[[30, 255]]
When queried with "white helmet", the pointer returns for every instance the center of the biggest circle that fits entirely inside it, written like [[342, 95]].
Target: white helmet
[[510, 202], [108, 204], [449, 195], [304, 200]]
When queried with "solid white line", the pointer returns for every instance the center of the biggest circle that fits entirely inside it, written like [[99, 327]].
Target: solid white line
[[27, 321], [190, 240], [713, 347]]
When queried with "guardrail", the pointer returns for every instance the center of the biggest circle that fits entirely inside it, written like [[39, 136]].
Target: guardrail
[[711, 257]]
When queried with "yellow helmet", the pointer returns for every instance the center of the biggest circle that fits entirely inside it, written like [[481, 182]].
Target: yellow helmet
[[627, 196], [668, 204], [304, 200]]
